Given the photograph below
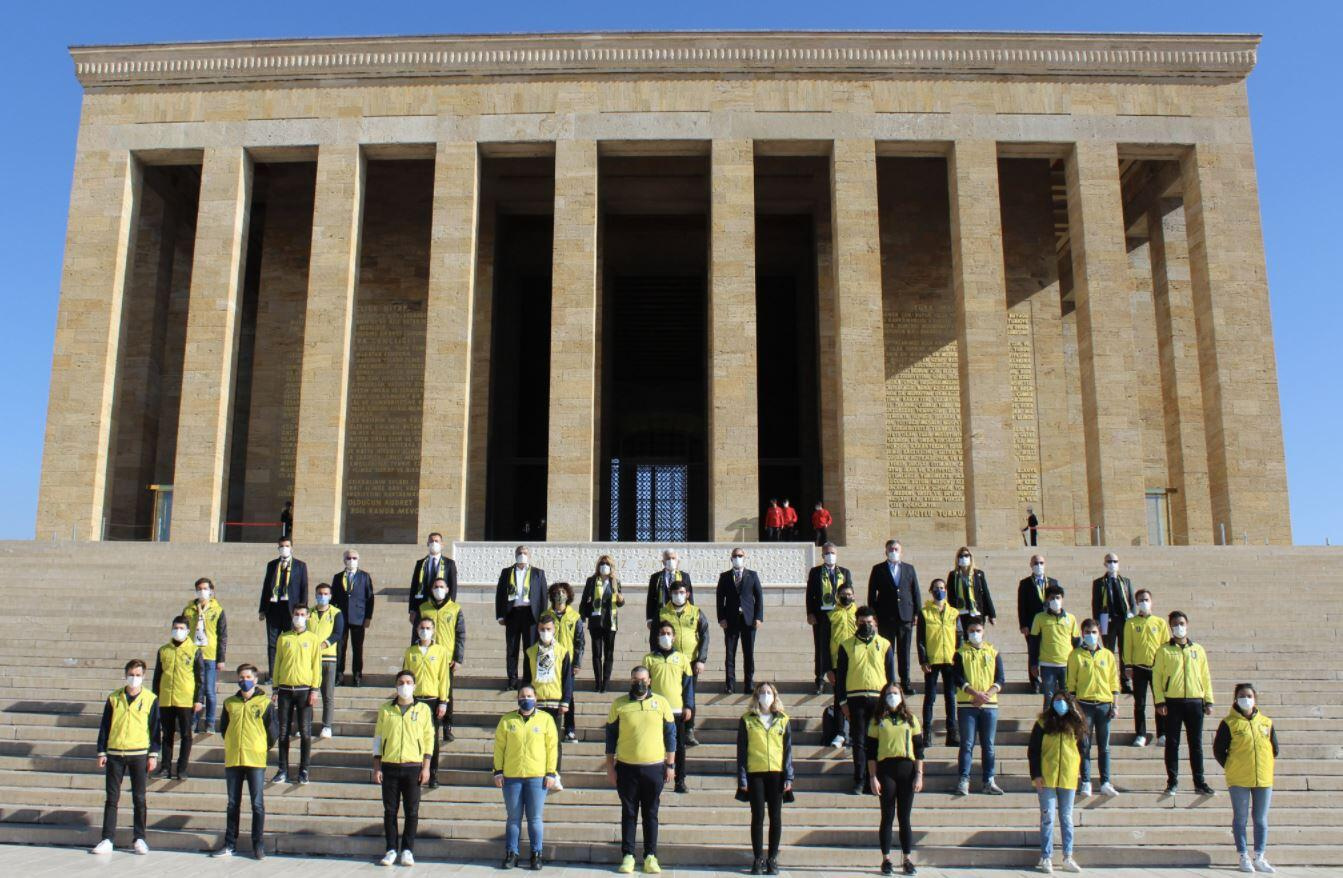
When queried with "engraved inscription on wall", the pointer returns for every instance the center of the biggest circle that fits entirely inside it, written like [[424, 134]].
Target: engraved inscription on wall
[[1025, 420]]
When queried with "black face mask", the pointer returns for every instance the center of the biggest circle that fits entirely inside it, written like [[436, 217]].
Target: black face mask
[[638, 690], [845, 600], [866, 631]]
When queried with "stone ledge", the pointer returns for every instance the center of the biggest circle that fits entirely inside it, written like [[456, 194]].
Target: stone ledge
[[869, 54]]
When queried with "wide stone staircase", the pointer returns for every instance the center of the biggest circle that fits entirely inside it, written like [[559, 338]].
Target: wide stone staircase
[[75, 612]]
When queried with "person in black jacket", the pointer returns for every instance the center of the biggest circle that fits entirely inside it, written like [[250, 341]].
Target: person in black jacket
[[432, 566], [519, 600], [823, 584], [1112, 606], [599, 607], [659, 590], [893, 594], [1030, 602], [284, 587], [968, 590], [741, 612], [353, 595]]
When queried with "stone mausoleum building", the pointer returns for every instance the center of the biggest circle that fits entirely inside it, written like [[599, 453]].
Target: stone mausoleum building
[[629, 286]]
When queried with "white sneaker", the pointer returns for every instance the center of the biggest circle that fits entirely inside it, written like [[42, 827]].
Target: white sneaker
[[1108, 789], [222, 853], [1140, 741], [140, 847], [963, 788], [105, 847], [1246, 865], [1045, 866], [1070, 865], [1084, 792], [559, 785], [837, 742], [1161, 740], [407, 858], [991, 788], [388, 859], [326, 732], [1261, 865]]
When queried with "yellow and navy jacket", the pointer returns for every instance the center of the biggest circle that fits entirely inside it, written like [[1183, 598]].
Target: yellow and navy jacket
[[659, 592], [298, 660], [640, 732], [130, 726], [329, 626], [672, 677], [1052, 638], [1093, 676], [214, 631], [449, 625], [1246, 746], [890, 737], [864, 668], [526, 746], [937, 638], [843, 622], [249, 729], [179, 675], [1143, 636], [691, 629], [1054, 757], [568, 631], [430, 667], [762, 748], [979, 668], [404, 736], [1181, 672], [550, 671]]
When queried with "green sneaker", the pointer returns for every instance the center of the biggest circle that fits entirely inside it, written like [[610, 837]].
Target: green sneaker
[[627, 864], [651, 865]]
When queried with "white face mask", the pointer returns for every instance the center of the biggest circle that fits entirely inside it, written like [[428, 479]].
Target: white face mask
[[893, 556], [351, 564], [669, 565], [738, 563], [1112, 566], [604, 570], [179, 634], [520, 560], [1038, 569], [435, 548], [286, 552], [426, 634], [1055, 604], [440, 594], [829, 558], [976, 637], [765, 699], [963, 561], [1245, 703], [300, 623], [892, 700], [1144, 607], [679, 599], [546, 636], [1178, 630], [666, 640], [203, 595], [405, 691], [134, 681]]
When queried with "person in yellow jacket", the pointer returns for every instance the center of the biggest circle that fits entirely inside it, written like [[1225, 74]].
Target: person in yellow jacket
[[895, 760], [247, 723], [1053, 636], [297, 673], [403, 742], [1182, 687], [209, 631], [765, 772], [328, 623], [843, 623], [526, 762], [640, 752], [1093, 679], [866, 664], [673, 679], [179, 684], [690, 625], [979, 674], [937, 640], [1143, 636], [1245, 746], [430, 662], [450, 631], [1055, 764], [128, 744], [549, 669], [569, 633]]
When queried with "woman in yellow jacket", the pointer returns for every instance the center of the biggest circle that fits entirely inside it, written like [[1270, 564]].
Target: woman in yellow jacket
[[765, 772], [526, 755], [1056, 764], [895, 766], [1246, 745]]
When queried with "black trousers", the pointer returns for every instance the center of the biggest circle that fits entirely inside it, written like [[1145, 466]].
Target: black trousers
[[569, 727], [897, 801], [640, 791], [861, 710], [295, 719], [901, 634], [1114, 641], [1186, 713], [1142, 682], [433, 704], [256, 790], [352, 639], [680, 745], [602, 642], [930, 699], [766, 791], [519, 633], [176, 724], [740, 631], [1032, 675], [820, 644], [822, 535], [117, 769], [554, 713], [400, 785]]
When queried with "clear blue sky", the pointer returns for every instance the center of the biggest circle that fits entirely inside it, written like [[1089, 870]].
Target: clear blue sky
[[1294, 95]]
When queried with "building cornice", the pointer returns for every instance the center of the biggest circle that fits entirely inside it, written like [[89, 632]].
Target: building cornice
[[870, 55]]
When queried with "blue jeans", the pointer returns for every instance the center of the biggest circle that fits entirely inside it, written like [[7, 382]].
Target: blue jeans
[[1049, 797], [524, 793], [1052, 680], [981, 722], [1241, 798], [207, 716], [1097, 716]]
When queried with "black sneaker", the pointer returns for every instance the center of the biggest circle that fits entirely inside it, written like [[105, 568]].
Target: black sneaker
[[820, 687], [954, 742], [690, 739], [536, 861], [910, 689], [182, 775], [510, 861], [259, 851], [772, 865], [448, 735], [1204, 790], [340, 679], [433, 783], [571, 738], [857, 790], [758, 866], [887, 868], [303, 777], [358, 680], [1171, 789], [281, 776], [681, 787], [908, 867], [164, 773]]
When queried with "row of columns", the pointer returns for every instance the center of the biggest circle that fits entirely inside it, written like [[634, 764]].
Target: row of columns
[[1227, 309]]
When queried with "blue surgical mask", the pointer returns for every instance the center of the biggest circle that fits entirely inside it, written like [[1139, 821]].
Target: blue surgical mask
[[247, 685], [1061, 708], [526, 705], [939, 594], [323, 600], [1089, 640]]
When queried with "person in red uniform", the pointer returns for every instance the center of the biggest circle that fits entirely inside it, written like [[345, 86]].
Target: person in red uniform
[[820, 523], [773, 522], [789, 520]]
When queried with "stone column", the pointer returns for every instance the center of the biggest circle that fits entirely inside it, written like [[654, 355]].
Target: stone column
[[200, 470], [980, 286], [861, 510], [1246, 467], [333, 272], [571, 470], [1110, 422], [734, 451], [448, 330], [99, 241], [1182, 397]]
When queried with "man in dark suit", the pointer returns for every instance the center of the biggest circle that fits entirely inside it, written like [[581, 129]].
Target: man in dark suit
[[1031, 601], [893, 594], [1112, 606], [519, 600], [433, 566], [353, 595], [741, 612], [823, 584], [285, 586]]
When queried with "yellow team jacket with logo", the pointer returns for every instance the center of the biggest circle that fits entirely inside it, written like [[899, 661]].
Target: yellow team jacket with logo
[[526, 746]]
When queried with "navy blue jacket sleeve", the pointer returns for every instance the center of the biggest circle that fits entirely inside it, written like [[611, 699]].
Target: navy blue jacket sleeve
[[741, 753]]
